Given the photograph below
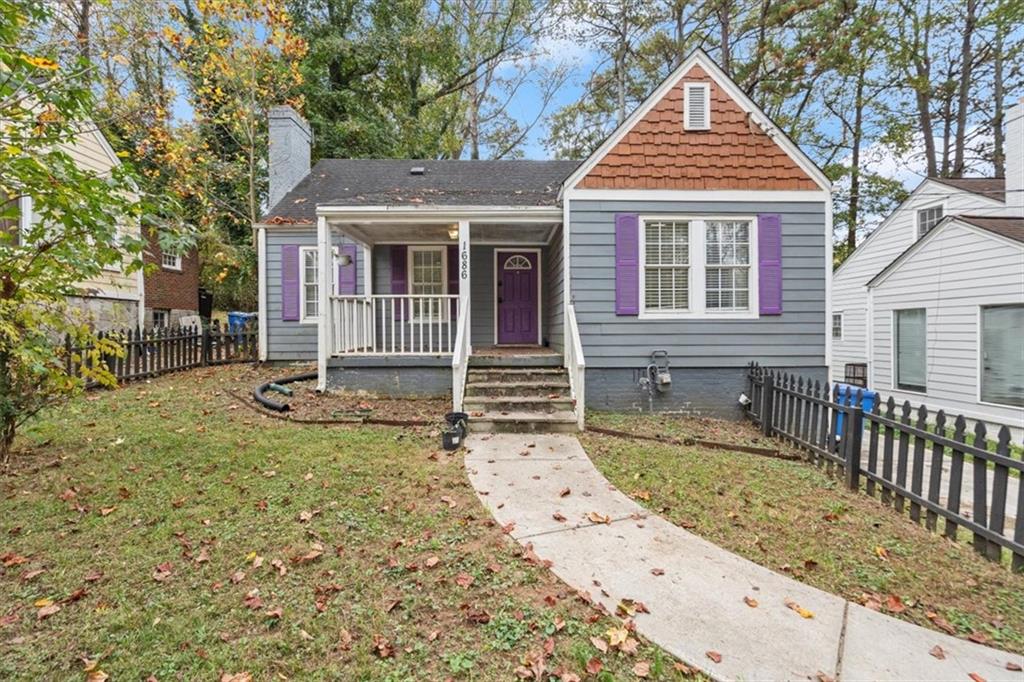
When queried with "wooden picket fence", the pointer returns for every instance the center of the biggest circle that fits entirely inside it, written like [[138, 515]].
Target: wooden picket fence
[[152, 352], [905, 458]]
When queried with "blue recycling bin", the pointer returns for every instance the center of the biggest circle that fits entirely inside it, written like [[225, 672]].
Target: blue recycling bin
[[848, 396], [237, 321]]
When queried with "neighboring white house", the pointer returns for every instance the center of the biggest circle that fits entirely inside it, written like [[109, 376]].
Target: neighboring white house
[[948, 321], [115, 299], [932, 271]]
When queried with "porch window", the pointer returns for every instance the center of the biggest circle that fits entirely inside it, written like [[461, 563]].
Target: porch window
[[427, 278], [727, 248], [911, 352], [309, 286], [667, 265]]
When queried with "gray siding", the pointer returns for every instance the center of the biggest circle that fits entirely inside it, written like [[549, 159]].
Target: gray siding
[[554, 286], [292, 340], [794, 339]]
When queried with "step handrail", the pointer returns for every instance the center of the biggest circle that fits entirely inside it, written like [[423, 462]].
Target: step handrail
[[575, 364]]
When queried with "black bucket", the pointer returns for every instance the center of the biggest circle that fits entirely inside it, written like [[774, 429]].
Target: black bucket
[[451, 438], [453, 418]]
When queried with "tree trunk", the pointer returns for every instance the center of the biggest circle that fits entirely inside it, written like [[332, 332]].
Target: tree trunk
[[966, 71], [724, 35], [857, 139], [998, 143], [82, 30]]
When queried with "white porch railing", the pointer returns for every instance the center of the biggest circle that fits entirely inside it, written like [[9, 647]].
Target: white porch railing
[[575, 364], [460, 363], [392, 324]]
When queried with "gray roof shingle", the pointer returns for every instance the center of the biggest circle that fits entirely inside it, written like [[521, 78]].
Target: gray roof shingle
[[993, 188], [377, 182], [1008, 226]]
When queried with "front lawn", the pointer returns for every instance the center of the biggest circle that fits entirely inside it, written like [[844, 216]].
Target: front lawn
[[794, 518], [166, 530]]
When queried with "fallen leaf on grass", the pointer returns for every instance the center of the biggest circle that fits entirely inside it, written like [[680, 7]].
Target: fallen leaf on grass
[[882, 553], [105, 511], [28, 575], [617, 635], [315, 552], [644, 495], [464, 580], [279, 565], [382, 647], [940, 622], [431, 562], [275, 613], [10, 619], [599, 644], [11, 559], [97, 676], [93, 576], [449, 501], [978, 637], [236, 677], [494, 567], [714, 656], [163, 571], [594, 666], [252, 599], [750, 601], [642, 669], [237, 577], [344, 640], [598, 518], [804, 613], [47, 611], [894, 604], [938, 652]]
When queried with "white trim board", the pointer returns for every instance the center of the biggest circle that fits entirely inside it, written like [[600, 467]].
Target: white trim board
[[730, 195], [540, 291], [700, 58]]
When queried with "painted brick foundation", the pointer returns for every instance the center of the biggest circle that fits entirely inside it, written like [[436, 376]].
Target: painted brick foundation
[[392, 379], [703, 392]]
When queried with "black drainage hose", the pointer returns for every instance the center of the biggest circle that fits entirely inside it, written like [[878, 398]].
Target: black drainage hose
[[258, 396]]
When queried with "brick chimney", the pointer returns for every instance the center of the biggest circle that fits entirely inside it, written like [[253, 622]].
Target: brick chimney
[[1015, 159], [290, 141]]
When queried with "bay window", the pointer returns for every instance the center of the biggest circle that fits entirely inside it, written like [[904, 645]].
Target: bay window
[[698, 267]]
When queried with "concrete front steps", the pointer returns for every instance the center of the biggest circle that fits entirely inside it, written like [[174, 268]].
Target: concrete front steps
[[516, 399]]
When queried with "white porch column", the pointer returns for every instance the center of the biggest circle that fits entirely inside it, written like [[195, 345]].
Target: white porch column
[[464, 281], [367, 270], [261, 268], [324, 343]]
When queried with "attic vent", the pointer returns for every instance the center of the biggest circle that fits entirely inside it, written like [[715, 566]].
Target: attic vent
[[417, 170], [697, 106]]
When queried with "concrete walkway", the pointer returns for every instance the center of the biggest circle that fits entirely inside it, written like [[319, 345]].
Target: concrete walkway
[[697, 604]]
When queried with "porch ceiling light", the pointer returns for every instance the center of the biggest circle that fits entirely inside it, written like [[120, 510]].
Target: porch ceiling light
[[453, 233]]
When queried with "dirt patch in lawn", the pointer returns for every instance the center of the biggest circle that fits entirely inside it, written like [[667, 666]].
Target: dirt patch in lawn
[[166, 530], [795, 518]]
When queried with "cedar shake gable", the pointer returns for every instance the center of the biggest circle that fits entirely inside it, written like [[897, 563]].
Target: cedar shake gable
[[658, 153]]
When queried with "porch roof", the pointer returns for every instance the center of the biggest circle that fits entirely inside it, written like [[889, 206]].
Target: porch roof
[[448, 183]]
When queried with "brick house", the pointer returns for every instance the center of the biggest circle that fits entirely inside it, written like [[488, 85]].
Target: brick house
[[172, 288]]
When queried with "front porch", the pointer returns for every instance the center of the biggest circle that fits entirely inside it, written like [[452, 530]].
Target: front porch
[[419, 291]]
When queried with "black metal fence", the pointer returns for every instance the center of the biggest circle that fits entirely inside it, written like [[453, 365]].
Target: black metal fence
[[153, 352], [905, 459]]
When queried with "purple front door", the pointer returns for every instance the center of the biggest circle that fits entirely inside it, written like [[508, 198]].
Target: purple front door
[[517, 297]]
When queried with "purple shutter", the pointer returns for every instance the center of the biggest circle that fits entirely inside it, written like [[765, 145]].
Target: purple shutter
[[453, 273], [627, 264], [347, 273], [769, 263], [399, 275], [290, 282]]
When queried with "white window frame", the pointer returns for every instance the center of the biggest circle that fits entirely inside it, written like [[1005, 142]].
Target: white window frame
[[835, 314], [981, 353], [894, 382], [410, 272], [166, 315], [303, 318], [698, 268], [917, 218], [687, 87], [174, 264]]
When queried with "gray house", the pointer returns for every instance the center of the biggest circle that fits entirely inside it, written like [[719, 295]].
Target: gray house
[[695, 240]]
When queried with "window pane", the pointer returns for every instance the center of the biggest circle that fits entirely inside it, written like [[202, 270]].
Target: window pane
[[927, 218], [910, 349], [666, 260], [1002, 355], [310, 284]]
